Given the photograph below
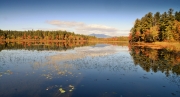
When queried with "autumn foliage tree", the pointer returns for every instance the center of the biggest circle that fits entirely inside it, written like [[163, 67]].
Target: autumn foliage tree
[[42, 35], [157, 27]]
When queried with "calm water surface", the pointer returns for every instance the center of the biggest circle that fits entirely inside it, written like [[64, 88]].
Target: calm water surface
[[101, 70]]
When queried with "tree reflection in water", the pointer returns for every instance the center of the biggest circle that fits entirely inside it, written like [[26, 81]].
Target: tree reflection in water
[[164, 60], [40, 46]]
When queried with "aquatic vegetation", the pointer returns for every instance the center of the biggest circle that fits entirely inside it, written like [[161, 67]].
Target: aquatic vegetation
[[7, 72], [71, 86], [48, 76], [61, 90]]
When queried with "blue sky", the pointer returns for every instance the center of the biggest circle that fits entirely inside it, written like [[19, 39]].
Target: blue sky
[[110, 17]]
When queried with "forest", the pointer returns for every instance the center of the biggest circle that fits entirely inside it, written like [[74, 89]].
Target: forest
[[53, 36], [157, 27], [42, 35]]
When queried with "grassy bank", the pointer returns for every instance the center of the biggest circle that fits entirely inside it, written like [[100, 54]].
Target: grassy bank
[[160, 45]]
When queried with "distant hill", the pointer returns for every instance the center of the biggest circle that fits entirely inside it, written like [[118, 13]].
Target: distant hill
[[100, 35]]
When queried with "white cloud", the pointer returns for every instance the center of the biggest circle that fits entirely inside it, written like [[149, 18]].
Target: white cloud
[[45, 29], [65, 23], [95, 27], [82, 28]]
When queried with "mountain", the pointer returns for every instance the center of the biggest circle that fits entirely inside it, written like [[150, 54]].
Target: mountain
[[100, 35]]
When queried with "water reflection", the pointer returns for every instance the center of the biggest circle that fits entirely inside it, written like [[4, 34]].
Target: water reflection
[[163, 60], [29, 73], [101, 70], [40, 46], [66, 63], [156, 59]]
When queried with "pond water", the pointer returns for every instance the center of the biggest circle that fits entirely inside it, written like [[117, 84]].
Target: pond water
[[98, 70]]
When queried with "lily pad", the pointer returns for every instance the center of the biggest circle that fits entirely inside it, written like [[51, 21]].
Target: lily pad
[[71, 86], [61, 90]]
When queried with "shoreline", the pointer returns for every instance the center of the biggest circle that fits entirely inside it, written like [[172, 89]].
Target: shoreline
[[43, 40], [159, 45]]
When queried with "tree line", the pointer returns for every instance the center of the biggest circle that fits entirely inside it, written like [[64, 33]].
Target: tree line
[[36, 35], [156, 27], [42, 35]]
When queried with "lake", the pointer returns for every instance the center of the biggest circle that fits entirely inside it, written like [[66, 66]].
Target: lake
[[87, 70]]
